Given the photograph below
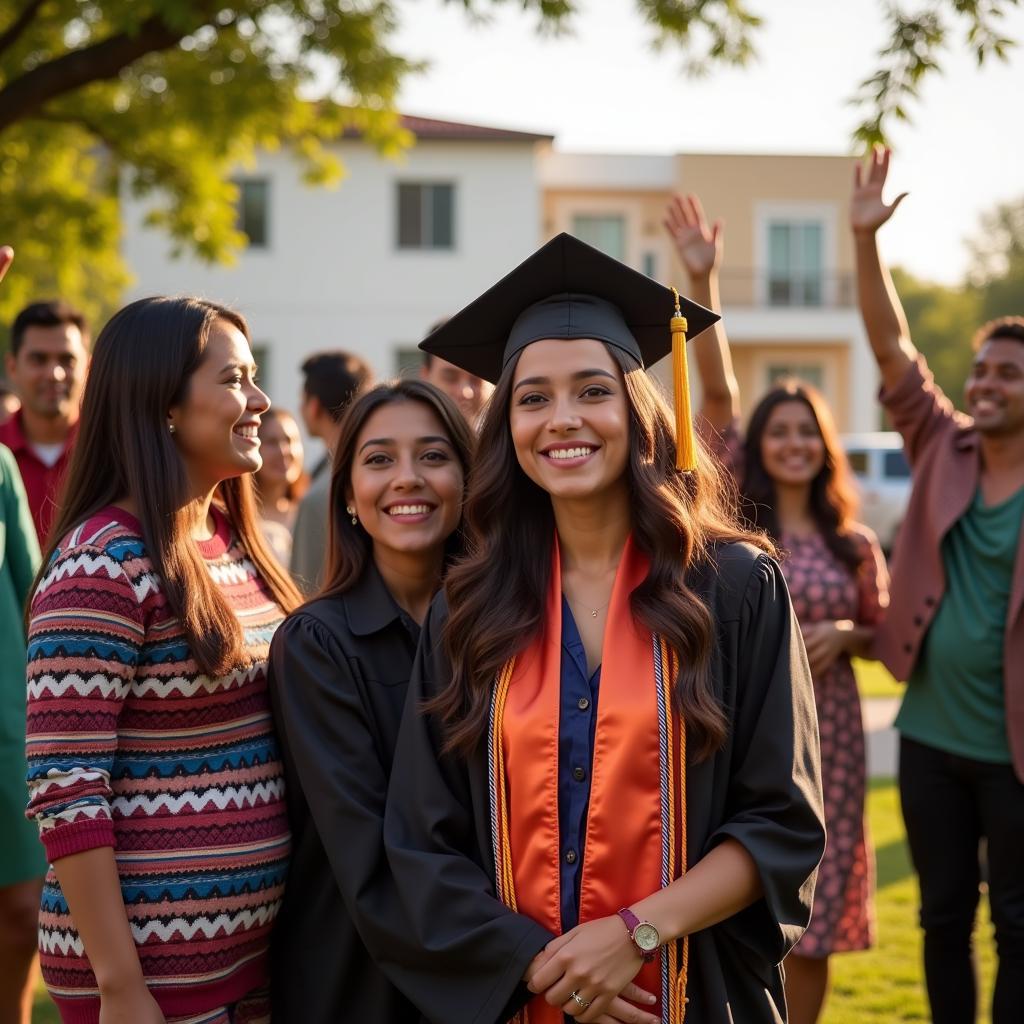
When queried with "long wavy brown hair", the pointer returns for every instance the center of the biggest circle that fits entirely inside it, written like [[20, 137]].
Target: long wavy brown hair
[[349, 546], [496, 593], [141, 366], [832, 500]]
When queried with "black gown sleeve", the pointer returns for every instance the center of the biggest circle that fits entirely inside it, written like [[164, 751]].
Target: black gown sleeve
[[327, 729], [437, 845], [773, 803]]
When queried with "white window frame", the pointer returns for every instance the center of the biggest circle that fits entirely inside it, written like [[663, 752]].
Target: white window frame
[[768, 212]]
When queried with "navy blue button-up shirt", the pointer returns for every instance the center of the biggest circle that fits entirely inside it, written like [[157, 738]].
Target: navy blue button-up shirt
[[577, 721]]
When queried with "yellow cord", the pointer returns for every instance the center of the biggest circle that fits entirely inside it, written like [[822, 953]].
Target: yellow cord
[[686, 446]]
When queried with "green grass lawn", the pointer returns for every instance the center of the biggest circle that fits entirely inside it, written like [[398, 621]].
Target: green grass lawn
[[880, 986], [884, 984]]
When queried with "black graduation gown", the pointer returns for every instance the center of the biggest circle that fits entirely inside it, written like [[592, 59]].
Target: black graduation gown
[[762, 788], [339, 670]]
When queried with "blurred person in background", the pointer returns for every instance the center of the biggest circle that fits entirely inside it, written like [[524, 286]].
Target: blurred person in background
[[796, 485], [281, 482], [47, 365], [330, 381], [9, 402], [22, 864], [955, 631], [468, 391]]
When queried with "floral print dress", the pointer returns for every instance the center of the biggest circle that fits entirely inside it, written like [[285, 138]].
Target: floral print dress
[[824, 589]]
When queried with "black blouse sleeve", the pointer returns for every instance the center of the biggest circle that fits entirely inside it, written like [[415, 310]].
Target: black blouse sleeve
[[774, 805], [477, 949]]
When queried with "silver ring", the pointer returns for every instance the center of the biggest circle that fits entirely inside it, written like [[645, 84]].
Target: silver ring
[[582, 1003]]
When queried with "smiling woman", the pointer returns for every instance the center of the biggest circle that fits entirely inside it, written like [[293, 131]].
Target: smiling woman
[[149, 730], [605, 791], [340, 668]]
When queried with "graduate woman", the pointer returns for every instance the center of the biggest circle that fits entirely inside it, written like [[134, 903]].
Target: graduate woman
[[340, 668], [607, 768]]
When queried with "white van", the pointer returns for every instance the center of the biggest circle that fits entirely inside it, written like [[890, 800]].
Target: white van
[[883, 479]]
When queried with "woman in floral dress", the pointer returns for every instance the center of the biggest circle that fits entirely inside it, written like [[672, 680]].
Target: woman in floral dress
[[795, 483]]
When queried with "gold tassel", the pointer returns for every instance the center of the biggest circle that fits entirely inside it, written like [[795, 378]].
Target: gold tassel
[[686, 446]]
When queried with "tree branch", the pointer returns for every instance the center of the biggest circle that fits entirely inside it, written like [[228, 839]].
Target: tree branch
[[103, 60], [12, 34]]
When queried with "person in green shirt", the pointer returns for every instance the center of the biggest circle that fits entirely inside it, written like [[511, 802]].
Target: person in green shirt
[[955, 628]]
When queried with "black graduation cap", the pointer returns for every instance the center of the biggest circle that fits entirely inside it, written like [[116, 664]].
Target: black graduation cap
[[568, 289]]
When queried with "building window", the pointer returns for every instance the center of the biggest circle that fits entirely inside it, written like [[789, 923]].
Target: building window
[[253, 202], [426, 216], [809, 373], [650, 264], [795, 263], [407, 360], [605, 233]]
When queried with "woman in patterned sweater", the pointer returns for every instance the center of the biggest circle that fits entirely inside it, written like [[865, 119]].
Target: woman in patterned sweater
[[154, 775]]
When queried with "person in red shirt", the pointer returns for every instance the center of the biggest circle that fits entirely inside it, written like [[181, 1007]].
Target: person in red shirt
[[46, 365]]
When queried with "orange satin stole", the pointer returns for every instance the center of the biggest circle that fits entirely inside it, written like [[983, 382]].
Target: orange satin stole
[[623, 852]]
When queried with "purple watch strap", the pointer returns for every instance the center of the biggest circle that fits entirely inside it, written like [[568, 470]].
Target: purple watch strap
[[632, 922]]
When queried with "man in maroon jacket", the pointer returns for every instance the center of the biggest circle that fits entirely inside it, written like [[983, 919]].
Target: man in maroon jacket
[[955, 628], [46, 365]]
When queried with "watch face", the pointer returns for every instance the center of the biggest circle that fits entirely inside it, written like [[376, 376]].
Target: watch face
[[646, 936]]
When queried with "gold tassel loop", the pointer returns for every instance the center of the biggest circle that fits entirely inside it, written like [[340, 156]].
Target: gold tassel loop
[[686, 446]]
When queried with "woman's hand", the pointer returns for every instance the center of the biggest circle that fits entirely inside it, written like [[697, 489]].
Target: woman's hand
[[699, 246], [868, 212], [6, 259], [596, 961], [132, 1005], [825, 642]]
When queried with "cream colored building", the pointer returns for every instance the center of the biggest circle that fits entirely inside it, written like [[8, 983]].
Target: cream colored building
[[787, 279]]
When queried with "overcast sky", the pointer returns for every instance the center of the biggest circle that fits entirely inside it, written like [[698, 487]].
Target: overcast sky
[[604, 89]]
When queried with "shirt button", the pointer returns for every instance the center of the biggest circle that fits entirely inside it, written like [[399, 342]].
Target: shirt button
[[570, 856], [918, 621], [583, 703], [909, 648], [930, 601], [579, 774]]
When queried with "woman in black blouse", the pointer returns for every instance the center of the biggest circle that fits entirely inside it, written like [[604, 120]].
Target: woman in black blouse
[[339, 670]]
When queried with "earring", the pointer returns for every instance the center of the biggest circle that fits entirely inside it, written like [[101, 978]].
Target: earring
[[352, 512], [171, 427]]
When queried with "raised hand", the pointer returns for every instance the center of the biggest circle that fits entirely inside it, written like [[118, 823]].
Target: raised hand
[[868, 211], [699, 246], [6, 258]]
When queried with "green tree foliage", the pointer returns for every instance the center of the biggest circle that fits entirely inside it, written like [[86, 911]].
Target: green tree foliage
[[942, 321], [997, 266], [917, 41]]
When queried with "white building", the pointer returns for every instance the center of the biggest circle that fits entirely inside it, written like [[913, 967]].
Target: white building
[[368, 266]]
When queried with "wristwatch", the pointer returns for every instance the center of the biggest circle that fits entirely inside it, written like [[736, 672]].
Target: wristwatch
[[642, 934]]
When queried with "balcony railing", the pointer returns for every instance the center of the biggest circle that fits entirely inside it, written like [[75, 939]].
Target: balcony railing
[[763, 289]]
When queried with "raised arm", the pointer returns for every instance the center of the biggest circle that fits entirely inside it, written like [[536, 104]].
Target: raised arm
[[880, 306], [699, 248]]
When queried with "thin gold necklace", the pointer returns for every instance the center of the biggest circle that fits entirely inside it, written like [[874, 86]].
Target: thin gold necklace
[[593, 611]]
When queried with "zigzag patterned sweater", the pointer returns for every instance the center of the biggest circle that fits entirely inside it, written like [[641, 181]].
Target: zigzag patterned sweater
[[130, 745]]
